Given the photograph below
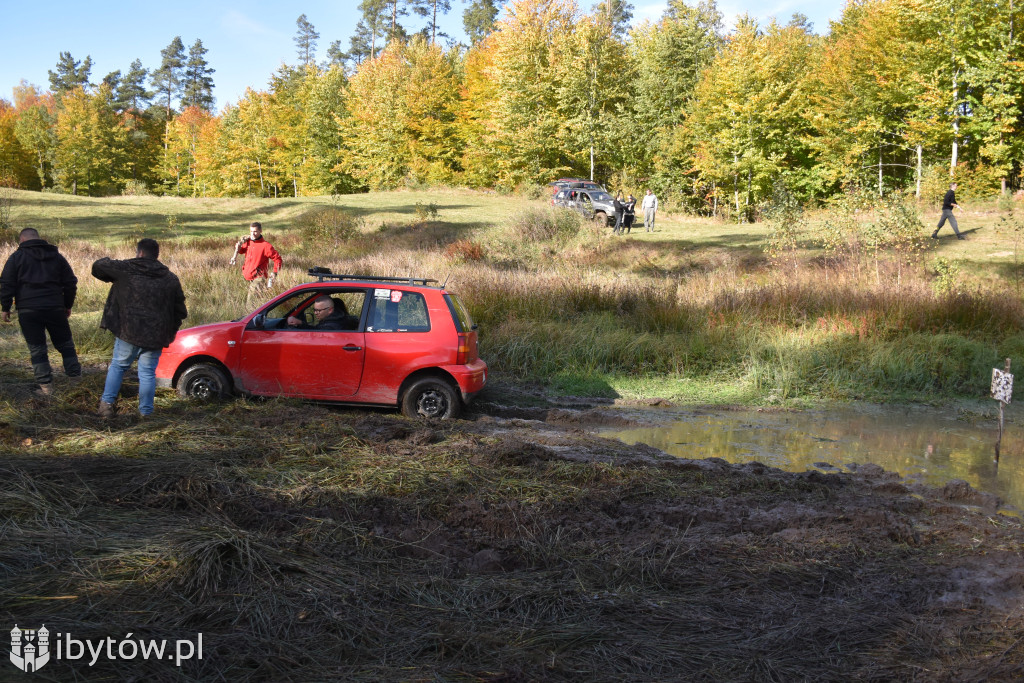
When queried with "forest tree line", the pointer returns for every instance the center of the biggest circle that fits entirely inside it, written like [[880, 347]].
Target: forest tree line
[[898, 95]]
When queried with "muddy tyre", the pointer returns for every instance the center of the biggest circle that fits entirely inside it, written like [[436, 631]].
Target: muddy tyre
[[431, 398], [204, 382], [601, 219]]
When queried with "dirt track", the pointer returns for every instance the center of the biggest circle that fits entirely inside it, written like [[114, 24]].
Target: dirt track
[[509, 546]]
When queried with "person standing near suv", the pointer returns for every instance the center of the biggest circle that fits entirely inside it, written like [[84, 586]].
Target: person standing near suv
[[650, 208], [40, 282], [256, 267], [948, 204], [630, 215], [620, 211], [144, 310]]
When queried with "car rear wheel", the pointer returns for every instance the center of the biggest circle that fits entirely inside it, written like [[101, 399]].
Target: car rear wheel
[[432, 398], [204, 382]]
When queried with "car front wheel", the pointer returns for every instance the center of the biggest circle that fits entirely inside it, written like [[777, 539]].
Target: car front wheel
[[432, 398], [601, 219], [204, 382]]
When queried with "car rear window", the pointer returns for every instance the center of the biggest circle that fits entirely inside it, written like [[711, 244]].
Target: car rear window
[[395, 310], [463, 321]]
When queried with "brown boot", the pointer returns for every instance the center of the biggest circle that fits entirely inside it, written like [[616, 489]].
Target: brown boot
[[106, 410], [45, 391]]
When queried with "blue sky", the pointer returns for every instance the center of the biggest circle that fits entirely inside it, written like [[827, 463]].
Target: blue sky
[[247, 42]]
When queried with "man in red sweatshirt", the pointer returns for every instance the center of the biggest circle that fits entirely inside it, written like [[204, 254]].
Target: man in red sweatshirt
[[256, 267]]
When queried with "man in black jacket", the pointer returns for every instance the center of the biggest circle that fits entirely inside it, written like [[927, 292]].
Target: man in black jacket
[[948, 204], [38, 280], [327, 316], [144, 310]]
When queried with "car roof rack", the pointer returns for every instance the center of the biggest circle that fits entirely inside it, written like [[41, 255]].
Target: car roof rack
[[321, 274]]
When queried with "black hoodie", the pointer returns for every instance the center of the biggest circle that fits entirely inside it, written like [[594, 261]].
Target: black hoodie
[[37, 277]]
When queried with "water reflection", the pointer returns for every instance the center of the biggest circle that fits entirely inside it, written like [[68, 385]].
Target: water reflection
[[927, 445]]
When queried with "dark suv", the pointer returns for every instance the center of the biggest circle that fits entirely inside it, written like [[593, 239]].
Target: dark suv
[[393, 342]]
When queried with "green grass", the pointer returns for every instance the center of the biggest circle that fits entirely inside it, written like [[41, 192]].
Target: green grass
[[113, 220]]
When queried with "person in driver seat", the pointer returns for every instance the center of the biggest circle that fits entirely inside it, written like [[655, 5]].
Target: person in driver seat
[[329, 315]]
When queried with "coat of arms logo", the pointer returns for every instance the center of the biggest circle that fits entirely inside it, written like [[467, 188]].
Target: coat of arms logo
[[30, 648]]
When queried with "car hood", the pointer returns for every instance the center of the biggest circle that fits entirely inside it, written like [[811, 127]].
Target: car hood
[[191, 338]]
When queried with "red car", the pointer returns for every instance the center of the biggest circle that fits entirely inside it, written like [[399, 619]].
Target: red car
[[396, 342]]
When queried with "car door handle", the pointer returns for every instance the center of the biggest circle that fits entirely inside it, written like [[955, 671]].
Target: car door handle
[[351, 347]]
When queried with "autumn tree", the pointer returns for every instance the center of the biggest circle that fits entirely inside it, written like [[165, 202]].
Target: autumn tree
[[667, 59], [16, 162], [185, 158], [36, 113], [476, 125], [378, 153], [90, 144], [591, 74], [867, 98], [745, 127], [525, 66]]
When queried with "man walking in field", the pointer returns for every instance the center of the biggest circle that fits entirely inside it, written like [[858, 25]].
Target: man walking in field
[[948, 204], [40, 282], [256, 267], [650, 208], [144, 310]]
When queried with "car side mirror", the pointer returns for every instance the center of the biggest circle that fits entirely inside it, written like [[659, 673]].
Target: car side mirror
[[259, 321]]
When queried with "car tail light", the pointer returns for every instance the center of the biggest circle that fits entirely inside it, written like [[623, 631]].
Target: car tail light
[[466, 352]]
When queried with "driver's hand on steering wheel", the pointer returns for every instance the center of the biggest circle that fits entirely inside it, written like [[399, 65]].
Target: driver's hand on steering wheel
[[293, 321]]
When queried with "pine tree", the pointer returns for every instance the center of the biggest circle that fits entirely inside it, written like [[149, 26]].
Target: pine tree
[[368, 39], [132, 88], [616, 13], [478, 19], [112, 81], [70, 74], [198, 83], [430, 9], [167, 79], [305, 40]]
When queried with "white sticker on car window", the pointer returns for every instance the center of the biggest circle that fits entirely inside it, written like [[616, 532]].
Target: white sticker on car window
[[396, 295], [381, 293]]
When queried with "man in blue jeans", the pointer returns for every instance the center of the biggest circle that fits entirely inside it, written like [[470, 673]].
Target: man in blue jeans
[[144, 310]]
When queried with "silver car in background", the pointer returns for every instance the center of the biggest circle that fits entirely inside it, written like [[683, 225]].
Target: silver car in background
[[593, 205]]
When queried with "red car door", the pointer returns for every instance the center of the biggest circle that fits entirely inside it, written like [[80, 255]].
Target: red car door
[[304, 362]]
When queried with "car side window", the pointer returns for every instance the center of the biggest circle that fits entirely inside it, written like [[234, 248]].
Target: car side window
[[275, 316], [394, 310], [348, 302]]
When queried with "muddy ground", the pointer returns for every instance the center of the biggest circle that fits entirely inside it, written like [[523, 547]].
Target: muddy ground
[[314, 543]]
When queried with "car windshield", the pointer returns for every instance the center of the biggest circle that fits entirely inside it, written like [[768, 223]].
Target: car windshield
[[600, 196]]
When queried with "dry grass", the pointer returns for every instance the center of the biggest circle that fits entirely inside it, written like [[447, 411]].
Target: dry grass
[[308, 543]]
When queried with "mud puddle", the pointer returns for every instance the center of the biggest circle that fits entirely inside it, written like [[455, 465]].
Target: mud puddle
[[927, 445]]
